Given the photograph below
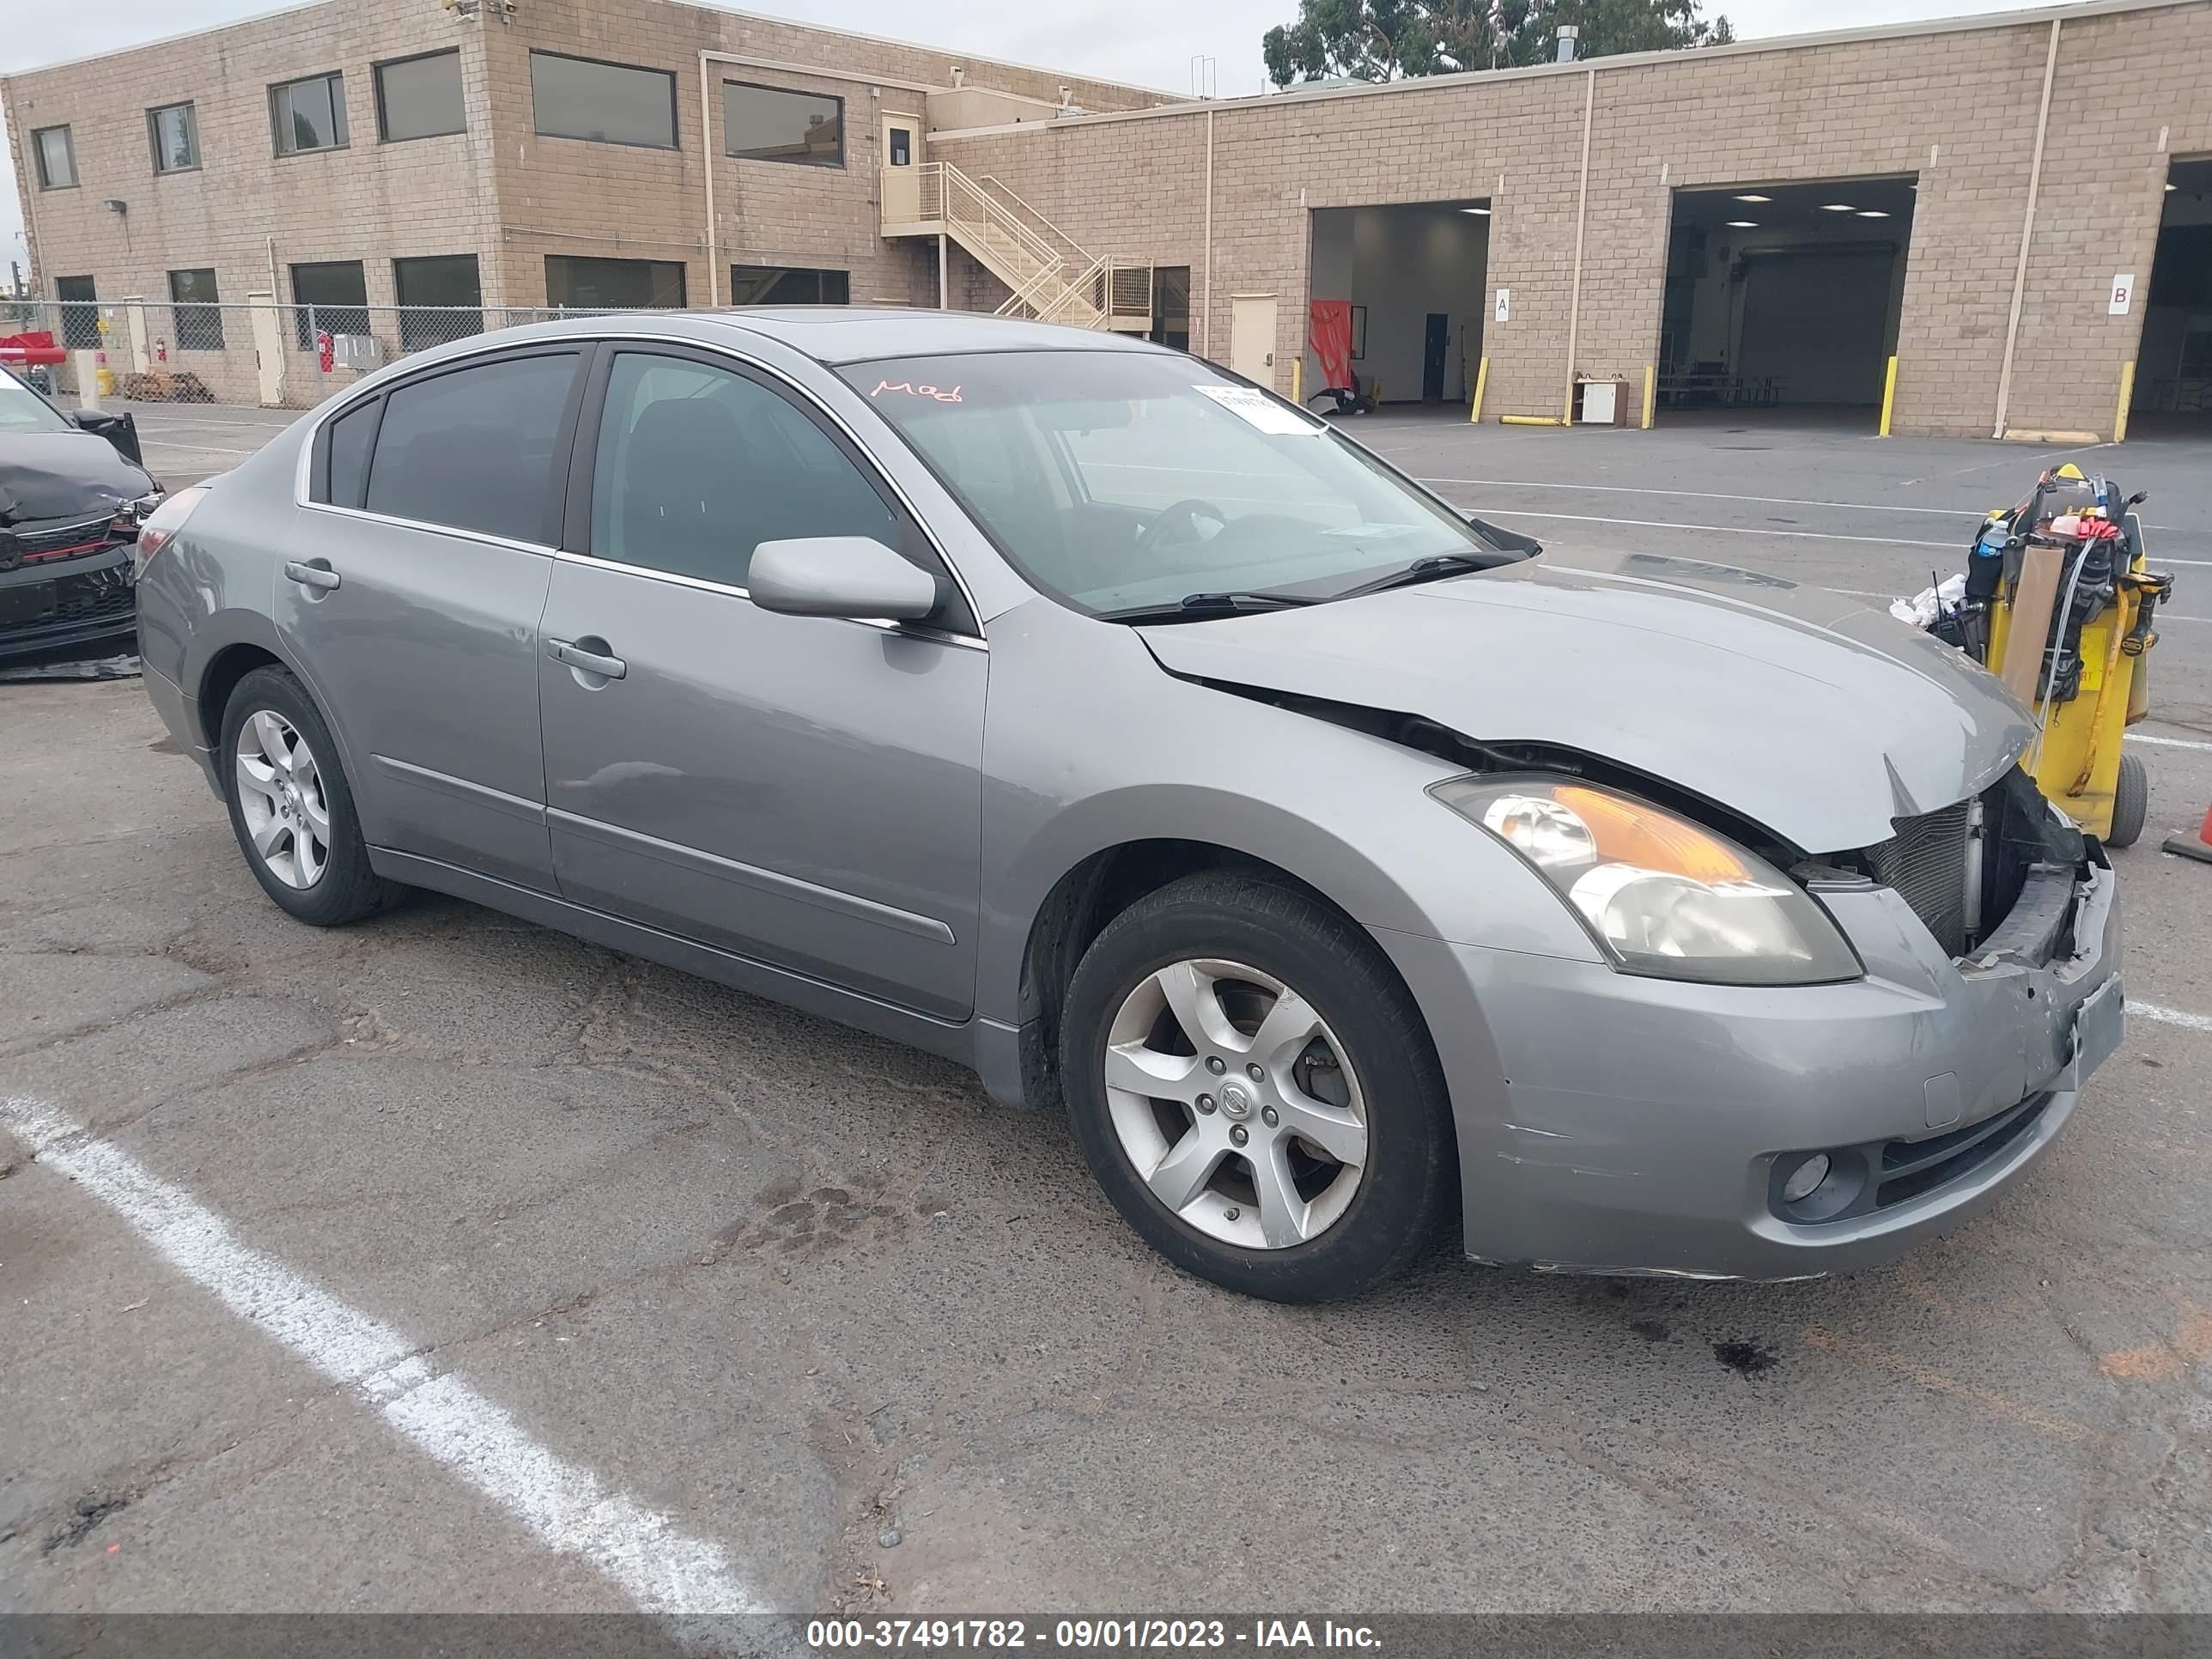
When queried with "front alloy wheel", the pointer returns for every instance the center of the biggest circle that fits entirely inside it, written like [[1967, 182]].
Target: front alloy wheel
[[280, 795], [1233, 1102], [1253, 1087]]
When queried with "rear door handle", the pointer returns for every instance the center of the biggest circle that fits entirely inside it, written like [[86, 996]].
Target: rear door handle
[[315, 574], [592, 662]]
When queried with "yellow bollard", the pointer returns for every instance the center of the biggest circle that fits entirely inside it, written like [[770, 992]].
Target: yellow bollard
[[1298, 381], [2127, 396], [1888, 395], [1481, 381], [1650, 393]]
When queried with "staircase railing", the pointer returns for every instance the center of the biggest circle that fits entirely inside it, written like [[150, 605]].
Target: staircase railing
[[1049, 274]]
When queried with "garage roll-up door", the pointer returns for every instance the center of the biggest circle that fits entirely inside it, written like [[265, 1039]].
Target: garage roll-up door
[[1817, 320]]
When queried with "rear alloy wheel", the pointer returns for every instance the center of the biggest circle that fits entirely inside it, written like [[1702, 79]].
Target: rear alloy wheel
[[280, 795], [290, 806], [1255, 1091]]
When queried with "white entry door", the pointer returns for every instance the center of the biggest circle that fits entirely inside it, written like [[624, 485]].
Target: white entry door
[[1252, 336], [268, 348]]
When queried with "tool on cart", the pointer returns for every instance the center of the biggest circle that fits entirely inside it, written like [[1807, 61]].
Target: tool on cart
[[2065, 571]]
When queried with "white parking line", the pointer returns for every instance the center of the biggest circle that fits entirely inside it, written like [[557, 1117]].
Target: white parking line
[[2170, 1016], [2168, 743], [661, 1570]]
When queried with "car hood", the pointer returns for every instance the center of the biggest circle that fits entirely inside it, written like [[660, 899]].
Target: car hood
[[54, 475], [1812, 713]]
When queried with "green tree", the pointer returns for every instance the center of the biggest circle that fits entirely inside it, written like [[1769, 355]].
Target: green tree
[[1387, 39]]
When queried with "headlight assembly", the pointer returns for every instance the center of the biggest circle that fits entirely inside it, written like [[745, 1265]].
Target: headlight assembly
[[1661, 895]]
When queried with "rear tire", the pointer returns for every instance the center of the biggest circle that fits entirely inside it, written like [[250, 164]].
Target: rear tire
[[1254, 1088], [2131, 802], [290, 806]]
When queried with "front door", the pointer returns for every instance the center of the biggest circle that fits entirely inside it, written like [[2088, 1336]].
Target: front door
[[1252, 336], [268, 349], [804, 791], [410, 594], [1435, 346], [901, 176]]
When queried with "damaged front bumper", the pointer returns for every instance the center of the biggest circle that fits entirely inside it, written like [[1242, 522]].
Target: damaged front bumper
[[1609, 1123]]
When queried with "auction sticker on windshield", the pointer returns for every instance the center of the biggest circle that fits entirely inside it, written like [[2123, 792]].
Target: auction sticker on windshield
[[1261, 411]]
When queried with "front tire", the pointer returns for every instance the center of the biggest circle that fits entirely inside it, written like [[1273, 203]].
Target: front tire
[[290, 806], [1254, 1088]]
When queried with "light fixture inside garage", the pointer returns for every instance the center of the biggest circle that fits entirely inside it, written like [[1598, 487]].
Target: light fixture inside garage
[[1838, 207], [1485, 212], [1754, 199], [1872, 213], [1743, 224]]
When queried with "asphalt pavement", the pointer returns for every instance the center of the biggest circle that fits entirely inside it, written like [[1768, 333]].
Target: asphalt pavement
[[447, 1264]]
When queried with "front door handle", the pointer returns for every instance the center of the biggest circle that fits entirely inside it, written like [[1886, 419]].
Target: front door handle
[[316, 573], [591, 662]]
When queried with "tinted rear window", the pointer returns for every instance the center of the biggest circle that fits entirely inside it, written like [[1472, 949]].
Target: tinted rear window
[[474, 449], [349, 455]]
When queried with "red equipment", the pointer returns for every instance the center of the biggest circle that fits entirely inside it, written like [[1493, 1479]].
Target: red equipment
[[35, 349]]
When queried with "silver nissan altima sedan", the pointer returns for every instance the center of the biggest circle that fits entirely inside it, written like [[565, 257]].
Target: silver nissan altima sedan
[[1347, 871]]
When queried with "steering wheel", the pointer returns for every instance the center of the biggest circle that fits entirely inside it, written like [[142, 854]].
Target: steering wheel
[[1183, 513]]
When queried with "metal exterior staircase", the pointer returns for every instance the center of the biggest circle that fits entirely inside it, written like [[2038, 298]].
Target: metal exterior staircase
[[1051, 277]]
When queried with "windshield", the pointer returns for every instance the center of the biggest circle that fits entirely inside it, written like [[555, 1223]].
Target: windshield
[[1118, 480], [22, 410]]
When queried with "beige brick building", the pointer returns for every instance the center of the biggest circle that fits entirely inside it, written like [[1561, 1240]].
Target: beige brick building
[[1986, 201]]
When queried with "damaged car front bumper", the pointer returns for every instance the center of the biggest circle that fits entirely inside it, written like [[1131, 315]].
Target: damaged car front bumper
[[1610, 1123]]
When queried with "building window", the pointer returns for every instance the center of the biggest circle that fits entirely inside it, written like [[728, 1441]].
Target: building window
[[419, 97], [786, 285], [198, 313], [175, 131], [446, 284], [1171, 307], [902, 147], [764, 123], [607, 103], [309, 114], [57, 158], [331, 297], [80, 313], [613, 284]]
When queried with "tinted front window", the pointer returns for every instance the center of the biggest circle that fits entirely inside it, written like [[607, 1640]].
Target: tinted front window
[[697, 467], [766, 123], [474, 448], [1121, 479], [611, 103], [419, 97]]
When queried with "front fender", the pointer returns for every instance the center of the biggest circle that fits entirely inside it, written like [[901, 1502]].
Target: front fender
[[1091, 745]]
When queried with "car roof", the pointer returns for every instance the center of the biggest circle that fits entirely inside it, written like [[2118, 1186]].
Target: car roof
[[855, 334]]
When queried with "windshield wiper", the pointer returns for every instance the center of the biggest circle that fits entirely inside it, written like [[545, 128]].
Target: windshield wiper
[[1196, 607], [1421, 570]]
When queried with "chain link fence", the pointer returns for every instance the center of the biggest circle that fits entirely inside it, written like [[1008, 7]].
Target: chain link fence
[[276, 356]]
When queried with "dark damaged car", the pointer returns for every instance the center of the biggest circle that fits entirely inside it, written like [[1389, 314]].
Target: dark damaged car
[[71, 498]]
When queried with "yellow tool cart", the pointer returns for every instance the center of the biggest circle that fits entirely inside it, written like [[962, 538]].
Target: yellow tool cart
[[2065, 571]]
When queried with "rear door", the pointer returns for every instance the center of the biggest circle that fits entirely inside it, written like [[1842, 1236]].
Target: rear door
[[412, 601], [805, 791]]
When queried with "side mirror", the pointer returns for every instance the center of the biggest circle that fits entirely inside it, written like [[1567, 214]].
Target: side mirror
[[853, 576], [121, 430]]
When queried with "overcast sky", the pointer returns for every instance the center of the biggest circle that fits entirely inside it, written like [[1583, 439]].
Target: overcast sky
[[1149, 42]]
